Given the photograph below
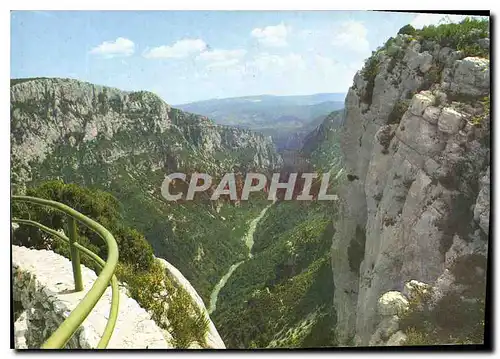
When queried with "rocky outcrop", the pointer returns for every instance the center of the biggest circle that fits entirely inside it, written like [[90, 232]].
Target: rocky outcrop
[[323, 132], [213, 339], [392, 306], [62, 126], [43, 284], [416, 149]]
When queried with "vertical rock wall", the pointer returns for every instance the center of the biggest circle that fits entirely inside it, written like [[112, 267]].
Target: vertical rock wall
[[416, 149]]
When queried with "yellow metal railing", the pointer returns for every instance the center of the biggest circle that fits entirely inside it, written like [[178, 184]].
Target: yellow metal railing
[[67, 329]]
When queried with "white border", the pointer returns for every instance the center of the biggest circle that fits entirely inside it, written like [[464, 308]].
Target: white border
[[179, 5]]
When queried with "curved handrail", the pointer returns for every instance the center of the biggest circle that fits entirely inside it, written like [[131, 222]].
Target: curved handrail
[[113, 313], [63, 334]]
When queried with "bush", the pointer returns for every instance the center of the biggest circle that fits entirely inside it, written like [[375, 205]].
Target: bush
[[398, 111], [451, 320], [434, 74], [156, 293], [407, 30], [479, 119], [462, 36], [417, 338], [134, 249], [370, 71]]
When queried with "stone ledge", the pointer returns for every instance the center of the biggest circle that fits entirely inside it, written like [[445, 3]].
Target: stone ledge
[[43, 283]]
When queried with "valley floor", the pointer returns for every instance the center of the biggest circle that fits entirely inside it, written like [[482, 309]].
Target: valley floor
[[249, 241]]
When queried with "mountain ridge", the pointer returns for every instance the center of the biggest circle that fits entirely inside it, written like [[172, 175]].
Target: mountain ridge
[[287, 119], [314, 98]]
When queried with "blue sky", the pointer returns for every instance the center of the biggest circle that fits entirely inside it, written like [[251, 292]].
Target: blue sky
[[186, 56]]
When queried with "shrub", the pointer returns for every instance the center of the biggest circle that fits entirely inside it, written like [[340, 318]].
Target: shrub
[[186, 329], [116, 103], [392, 64], [417, 338], [407, 30], [462, 36], [388, 43], [370, 71], [102, 99], [134, 249], [478, 119], [398, 111], [186, 322], [434, 74], [452, 320]]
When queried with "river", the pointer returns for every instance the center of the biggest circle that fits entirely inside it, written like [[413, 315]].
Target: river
[[248, 239]]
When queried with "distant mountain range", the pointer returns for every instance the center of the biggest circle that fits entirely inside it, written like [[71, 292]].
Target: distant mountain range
[[285, 118]]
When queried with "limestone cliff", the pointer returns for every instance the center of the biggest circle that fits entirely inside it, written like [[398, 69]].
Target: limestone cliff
[[416, 148], [68, 128], [323, 132]]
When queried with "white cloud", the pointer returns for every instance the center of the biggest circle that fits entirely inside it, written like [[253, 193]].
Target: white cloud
[[221, 58], [352, 35], [306, 33], [120, 47], [283, 63], [180, 49], [296, 73], [422, 20], [272, 36], [323, 63]]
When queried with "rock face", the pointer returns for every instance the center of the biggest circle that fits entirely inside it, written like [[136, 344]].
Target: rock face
[[86, 124], [43, 283], [392, 303], [417, 198], [213, 339], [322, 133]]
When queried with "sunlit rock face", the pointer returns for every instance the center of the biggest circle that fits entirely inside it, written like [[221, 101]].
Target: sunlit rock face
[[68, 128], [416, 142]]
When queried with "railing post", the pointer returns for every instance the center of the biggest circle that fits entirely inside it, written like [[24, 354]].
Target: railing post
[[75, 254]]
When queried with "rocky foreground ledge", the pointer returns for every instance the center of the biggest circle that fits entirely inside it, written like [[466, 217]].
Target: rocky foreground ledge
[[43, 283]]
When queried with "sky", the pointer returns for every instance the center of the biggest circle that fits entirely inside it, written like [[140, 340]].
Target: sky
[[186, 56]]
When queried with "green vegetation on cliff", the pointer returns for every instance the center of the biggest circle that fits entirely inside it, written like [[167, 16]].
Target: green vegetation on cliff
[[455, 318], [463, 36]]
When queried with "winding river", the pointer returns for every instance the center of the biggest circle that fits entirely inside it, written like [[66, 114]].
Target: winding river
[[248, 239]]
